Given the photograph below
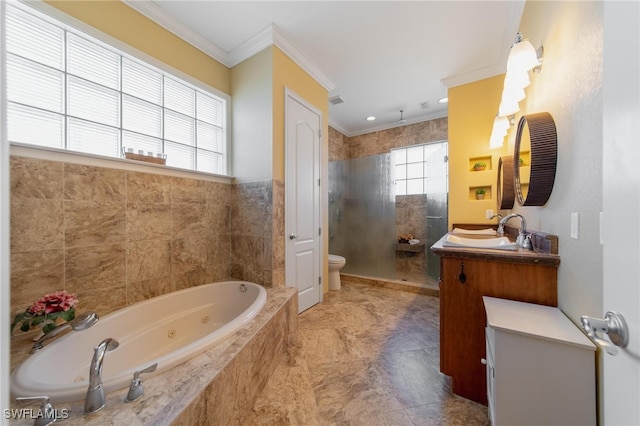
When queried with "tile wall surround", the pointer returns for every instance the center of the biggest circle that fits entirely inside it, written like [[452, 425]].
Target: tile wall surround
[[257, 214], [115, 237], [342, 147]]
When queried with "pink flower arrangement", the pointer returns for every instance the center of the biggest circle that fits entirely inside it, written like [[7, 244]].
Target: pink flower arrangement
[[46, 310]]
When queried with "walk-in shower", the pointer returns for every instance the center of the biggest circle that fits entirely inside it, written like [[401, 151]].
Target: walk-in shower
[[372, 199]]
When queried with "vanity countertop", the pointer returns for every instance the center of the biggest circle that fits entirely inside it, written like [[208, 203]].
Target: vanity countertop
[[537, 256]]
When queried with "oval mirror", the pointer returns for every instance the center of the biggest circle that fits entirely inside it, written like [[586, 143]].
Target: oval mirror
[[535, 157], [505, 188]]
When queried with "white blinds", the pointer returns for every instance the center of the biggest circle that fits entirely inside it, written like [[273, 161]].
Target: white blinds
[[65, 90]]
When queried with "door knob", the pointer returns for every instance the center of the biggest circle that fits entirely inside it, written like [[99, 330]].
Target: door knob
[[292, 236], [612, 325]]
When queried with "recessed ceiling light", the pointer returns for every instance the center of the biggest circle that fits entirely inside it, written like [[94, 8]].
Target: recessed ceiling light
[[370, 118], [443, 100]]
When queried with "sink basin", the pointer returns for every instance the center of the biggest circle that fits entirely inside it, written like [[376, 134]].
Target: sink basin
[[479, 241]]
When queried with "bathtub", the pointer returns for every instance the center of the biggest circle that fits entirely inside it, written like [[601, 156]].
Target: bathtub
[[167, 330]]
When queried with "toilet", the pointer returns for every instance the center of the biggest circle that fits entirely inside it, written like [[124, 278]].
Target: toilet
[[335, 264]]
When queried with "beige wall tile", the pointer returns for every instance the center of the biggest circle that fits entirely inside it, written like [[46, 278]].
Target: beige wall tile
[[33, 178], [148, 259], [188, 191], [102, 300], [189, 253], [93, 183], [148, 188], [148, 221], [36, 224], [101, 266], [188, 219], [146, 289], [131, 235], [189, 279], [91, 223], [34, 274]]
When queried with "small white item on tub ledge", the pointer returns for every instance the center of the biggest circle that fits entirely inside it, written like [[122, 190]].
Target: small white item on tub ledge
[[414, 242]]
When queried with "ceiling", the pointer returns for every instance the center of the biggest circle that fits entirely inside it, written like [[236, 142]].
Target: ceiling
[[379, 56]]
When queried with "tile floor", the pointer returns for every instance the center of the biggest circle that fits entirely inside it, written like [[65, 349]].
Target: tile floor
[[365, 356]]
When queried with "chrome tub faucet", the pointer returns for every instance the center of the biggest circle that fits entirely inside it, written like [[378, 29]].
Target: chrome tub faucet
[[95, 399]]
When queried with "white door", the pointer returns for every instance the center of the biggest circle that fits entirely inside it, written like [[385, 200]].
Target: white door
[[302, 200], [621, 205]]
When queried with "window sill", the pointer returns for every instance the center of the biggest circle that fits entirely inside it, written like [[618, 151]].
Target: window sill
[[53, 154]]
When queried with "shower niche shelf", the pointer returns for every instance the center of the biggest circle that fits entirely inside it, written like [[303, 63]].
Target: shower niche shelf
[[487, 193], [411, 248], [474, 161]]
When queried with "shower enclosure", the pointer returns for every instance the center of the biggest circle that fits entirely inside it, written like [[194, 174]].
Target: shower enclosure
[[362, 215], [373, 199]]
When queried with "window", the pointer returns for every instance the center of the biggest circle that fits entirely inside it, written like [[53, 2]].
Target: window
[[67, 90], [421, 169]]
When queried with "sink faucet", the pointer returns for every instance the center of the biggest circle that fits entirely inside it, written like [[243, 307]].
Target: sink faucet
[[95, 399], [81, 322], [523, 239]]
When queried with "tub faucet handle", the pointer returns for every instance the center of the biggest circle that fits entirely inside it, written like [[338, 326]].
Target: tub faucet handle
[[47, 413], [136, 389]]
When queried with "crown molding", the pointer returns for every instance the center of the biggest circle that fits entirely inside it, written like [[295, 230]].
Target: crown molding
[[513, 24], [296, 55], [433, 116], [272, 35], [338, 127], [252, 46], [471, 76], [158, 15]]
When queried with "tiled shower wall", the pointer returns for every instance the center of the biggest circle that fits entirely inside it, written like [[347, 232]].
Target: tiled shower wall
[[411, 218], [116, 237]]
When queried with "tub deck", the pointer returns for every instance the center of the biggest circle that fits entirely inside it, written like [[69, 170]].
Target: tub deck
[[217, 386]]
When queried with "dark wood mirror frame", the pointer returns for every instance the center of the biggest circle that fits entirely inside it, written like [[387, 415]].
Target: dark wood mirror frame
[[505, 185], [544, 157]]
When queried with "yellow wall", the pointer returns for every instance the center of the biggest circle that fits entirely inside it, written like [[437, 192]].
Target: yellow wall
[[125, 24], [472, 109], [286, 73]]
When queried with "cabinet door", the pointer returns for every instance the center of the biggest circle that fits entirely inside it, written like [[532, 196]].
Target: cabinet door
[[463, 319]]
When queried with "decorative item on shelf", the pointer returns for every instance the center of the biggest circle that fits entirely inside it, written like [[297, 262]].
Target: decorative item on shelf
[[405, 238], [480, 194], [479, 166], [46, 311], [149, 157]]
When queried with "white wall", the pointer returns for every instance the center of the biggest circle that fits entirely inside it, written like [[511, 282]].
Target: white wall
[[252, 111], [569, 87], [4, 227]]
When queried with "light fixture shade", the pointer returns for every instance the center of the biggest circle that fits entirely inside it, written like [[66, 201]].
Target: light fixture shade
[[508, 107], [512, 94], [516, 78], [522, 57], [499, 131]]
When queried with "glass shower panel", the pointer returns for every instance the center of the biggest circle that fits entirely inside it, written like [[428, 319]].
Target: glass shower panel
[[362, 215], [437, 190]]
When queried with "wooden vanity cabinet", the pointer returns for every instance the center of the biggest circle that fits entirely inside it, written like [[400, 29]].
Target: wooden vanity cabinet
[[462, 314]]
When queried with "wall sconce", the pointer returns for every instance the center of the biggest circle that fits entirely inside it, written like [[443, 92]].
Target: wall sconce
[[522, 59]]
